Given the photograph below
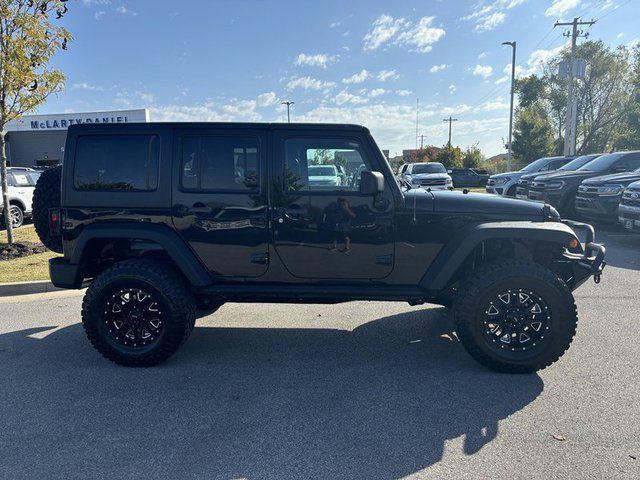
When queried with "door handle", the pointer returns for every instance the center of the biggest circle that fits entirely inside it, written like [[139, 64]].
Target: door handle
[[199, 207]]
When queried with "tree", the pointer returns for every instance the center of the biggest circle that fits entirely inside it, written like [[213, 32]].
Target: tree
[[450, 157], [530, 90], [473, 157], [28, 40], [532, 134]]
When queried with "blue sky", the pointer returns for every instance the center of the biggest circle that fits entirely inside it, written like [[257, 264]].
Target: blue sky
[[359, 61]]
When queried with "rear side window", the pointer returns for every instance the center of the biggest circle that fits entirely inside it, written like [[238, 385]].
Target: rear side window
[[20, 180], [229, 163], [117, 162]]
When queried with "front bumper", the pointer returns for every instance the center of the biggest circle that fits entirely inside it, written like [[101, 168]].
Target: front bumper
[[494, 190], [65, 274], [591, 262], [629, 217], [598, 207]]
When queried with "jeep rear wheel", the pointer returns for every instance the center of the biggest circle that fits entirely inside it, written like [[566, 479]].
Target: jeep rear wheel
[[138, 313], [515, 316], [45, 196]]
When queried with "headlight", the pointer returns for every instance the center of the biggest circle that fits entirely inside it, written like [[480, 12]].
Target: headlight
[[555, 185], [501, 181], [449, 181], [611, 190]]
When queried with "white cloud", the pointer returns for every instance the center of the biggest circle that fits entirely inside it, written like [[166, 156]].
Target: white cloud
[[398, 31], [122, 9], [267, 99], [620, 35], [385, 75], [452, 89], [346, 97], [456, 110], [492, 106], [482, 55], [359, 77], [234, 111], [86, 86], [309, 83], [438, 68], [89, 3], [317, 60], [99, 14], [484, 71], [560, 7], [488, 15], [145, 97], [404, 93], [376, 92]]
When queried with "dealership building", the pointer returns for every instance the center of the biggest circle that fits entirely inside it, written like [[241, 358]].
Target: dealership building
[[38, 140]]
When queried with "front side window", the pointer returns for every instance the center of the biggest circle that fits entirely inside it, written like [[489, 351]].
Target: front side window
[[117, 162], [229, 163], [323, 165]]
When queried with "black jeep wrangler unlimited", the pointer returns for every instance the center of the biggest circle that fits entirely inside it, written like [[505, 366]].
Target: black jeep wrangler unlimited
[[163, 221]]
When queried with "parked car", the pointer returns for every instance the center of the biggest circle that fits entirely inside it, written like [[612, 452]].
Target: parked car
[[324, 175], [431, 175], [505, 183], [598, 198], [468, 177], [156, 247], [21, 182], [522, 190], [559, 189], [629, 209]]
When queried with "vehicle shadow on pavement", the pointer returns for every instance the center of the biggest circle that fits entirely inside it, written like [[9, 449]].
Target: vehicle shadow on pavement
[[376, 402]]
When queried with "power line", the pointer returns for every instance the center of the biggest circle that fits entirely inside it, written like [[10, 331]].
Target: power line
[[450, 120]]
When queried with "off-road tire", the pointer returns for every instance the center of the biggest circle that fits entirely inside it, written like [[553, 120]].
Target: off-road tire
[[46, 196], [166, 285], [469, 313]]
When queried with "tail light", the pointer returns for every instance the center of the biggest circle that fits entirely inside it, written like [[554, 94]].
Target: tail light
[[55, 221]]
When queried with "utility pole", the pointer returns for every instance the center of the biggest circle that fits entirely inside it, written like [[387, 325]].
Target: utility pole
[[570, 121], [421, 137], [513, 84], [288, 104], [450, 120], [417, 109]]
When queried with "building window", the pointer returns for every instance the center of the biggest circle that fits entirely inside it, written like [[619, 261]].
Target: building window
[[117, 162], [228, 163]]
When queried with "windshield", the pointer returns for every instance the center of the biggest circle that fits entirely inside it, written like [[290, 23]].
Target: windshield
[[428, 168], [536, 165], [602, 163], [322, 171], [578, 162], [34, 176]]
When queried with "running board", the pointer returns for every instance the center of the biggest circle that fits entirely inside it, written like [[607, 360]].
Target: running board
[[313, 293]]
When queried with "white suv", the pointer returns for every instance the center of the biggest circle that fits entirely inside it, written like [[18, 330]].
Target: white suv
[[431, 175], [22, 182]]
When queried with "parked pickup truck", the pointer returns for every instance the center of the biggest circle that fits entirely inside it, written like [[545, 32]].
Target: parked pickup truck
[[167, 221]]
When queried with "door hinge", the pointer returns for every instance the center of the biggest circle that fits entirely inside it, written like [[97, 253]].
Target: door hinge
[[384, 259], [260, 258]]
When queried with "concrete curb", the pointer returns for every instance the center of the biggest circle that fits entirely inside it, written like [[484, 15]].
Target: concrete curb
[[27, 288]]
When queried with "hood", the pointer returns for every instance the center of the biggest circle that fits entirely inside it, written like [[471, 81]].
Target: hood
[[568, 175], [531, 176], [635, 185], [624, 178], [443, 201], [506, 174]]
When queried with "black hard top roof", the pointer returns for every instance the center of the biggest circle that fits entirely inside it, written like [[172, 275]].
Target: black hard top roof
[[223, 125]]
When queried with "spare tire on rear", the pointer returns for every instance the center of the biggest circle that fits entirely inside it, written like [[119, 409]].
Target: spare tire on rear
[[46, 196]]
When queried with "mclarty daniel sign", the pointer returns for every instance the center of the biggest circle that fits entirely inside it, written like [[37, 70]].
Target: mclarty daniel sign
[[62, 121]]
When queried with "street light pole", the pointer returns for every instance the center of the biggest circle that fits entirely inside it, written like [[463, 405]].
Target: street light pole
[[513, 80], [288, 104]]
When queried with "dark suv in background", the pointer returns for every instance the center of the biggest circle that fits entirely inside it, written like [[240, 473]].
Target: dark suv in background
[[598, 198], [559, 189], [505, 183], [468, 177], [522, 190]]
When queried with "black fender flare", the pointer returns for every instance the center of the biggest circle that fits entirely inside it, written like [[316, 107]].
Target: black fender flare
[[184, 259], [453, 254]]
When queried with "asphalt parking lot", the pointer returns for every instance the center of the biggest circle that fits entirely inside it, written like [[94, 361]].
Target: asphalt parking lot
[[362, 390]]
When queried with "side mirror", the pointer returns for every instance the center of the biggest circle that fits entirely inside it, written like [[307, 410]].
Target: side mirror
[[371, 183]]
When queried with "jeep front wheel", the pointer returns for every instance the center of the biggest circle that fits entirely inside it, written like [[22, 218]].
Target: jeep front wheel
[[515, 316], [138, 313]]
